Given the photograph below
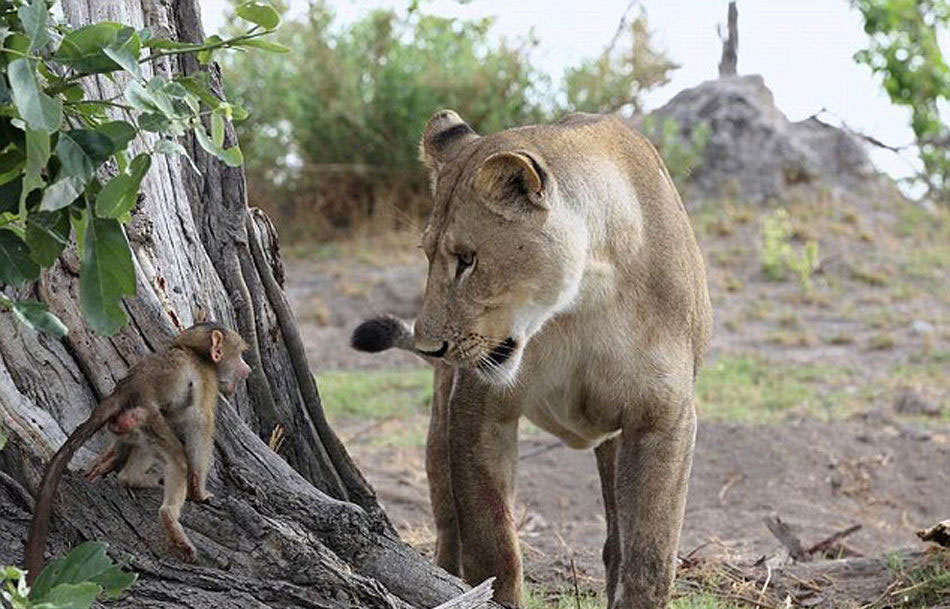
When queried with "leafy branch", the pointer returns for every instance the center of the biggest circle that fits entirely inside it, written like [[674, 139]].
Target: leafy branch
[[903, 49], [71, 582], [66, 163]]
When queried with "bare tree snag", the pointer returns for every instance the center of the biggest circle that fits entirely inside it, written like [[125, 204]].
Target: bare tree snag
[[730, 43], [297, 529]]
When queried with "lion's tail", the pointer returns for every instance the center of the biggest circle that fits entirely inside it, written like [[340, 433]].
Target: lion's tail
[[381, 333]]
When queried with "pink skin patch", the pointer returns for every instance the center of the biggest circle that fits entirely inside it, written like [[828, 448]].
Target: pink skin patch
[[127, 420]]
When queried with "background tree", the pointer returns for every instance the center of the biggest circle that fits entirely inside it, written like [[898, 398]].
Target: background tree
[[300, 528], [332, 137], [617, 80], [903, 49]]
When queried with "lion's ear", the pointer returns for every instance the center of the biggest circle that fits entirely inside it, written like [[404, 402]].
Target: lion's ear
[[445, 131], [513, 182]]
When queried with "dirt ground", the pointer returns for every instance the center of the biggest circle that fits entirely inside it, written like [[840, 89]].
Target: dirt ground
[[871, 463]]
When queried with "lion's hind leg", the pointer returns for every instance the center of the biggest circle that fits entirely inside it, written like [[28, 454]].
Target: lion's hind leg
[[653, 467]]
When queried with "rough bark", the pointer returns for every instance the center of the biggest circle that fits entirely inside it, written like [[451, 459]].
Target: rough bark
[[299, 529], [730, 43]]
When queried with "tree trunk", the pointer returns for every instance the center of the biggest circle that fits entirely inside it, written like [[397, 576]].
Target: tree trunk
[[730, 44], [298, 529]]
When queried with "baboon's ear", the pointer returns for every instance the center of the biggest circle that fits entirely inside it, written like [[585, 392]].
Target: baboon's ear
[[513, 183], [444, 133]]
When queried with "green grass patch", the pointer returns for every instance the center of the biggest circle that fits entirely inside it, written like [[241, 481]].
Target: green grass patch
[[750, 389], [536, 597], [701, 601], [924, 584], [375, 394]]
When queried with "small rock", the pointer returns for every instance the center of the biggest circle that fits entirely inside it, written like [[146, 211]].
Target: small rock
[[921, 327], [911, 402]]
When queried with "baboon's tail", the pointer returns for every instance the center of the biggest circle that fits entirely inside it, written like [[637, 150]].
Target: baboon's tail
[[381, 333]]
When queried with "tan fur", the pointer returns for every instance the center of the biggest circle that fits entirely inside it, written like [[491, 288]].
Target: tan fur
[[583, 255]]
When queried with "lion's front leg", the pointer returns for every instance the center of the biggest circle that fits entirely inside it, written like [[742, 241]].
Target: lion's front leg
[[653, 466], [606, 455], [447, 544], [483, 444]]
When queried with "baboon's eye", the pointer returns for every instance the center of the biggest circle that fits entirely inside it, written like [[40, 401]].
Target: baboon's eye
[[465, 260]]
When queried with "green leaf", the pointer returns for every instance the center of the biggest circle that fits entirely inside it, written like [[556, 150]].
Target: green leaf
[[16, 267], [217, 129], [154, 122], [204, 56], [87, 562], [84, 49], [232, 156], [79, 219], [39, 110], [74, 93], [169, 147], [12, 162], [81, 151], [47, 234], [18, 42], [36, 315], [119, 196], [125, 52], [37, 154], [120, 132], [264, 45], [150, 98], [10, 196], [174, 89], [34, 16], [198, 85], [61, 193], [259, 13], [140, 166], [107, 274], [205, 141], [238, 113], [70, 596]]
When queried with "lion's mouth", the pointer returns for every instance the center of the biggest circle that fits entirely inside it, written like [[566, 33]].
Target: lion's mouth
[[500, 354]]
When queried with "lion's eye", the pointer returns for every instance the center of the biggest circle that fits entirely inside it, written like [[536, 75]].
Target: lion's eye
[[465, 260]]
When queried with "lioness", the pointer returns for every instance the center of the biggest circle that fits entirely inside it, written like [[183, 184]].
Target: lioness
[[565, 285]]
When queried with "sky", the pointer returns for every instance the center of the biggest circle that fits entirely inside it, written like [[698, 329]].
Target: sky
[[802, 48]]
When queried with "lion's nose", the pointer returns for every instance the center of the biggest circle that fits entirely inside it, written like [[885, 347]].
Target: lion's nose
[[432, 352]]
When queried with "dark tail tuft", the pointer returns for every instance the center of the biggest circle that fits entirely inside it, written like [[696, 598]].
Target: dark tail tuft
[[380, 333]]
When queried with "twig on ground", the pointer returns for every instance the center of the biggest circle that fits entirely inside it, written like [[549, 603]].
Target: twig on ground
[[765, 586], [828, 542], [728, 485], [577, 592], [359, 433], [540, 450]]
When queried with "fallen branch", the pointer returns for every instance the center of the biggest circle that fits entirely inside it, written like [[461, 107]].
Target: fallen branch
[[479, 596], [826, 543]]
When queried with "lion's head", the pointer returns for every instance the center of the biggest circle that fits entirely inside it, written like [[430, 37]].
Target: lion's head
[[506, 253]]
